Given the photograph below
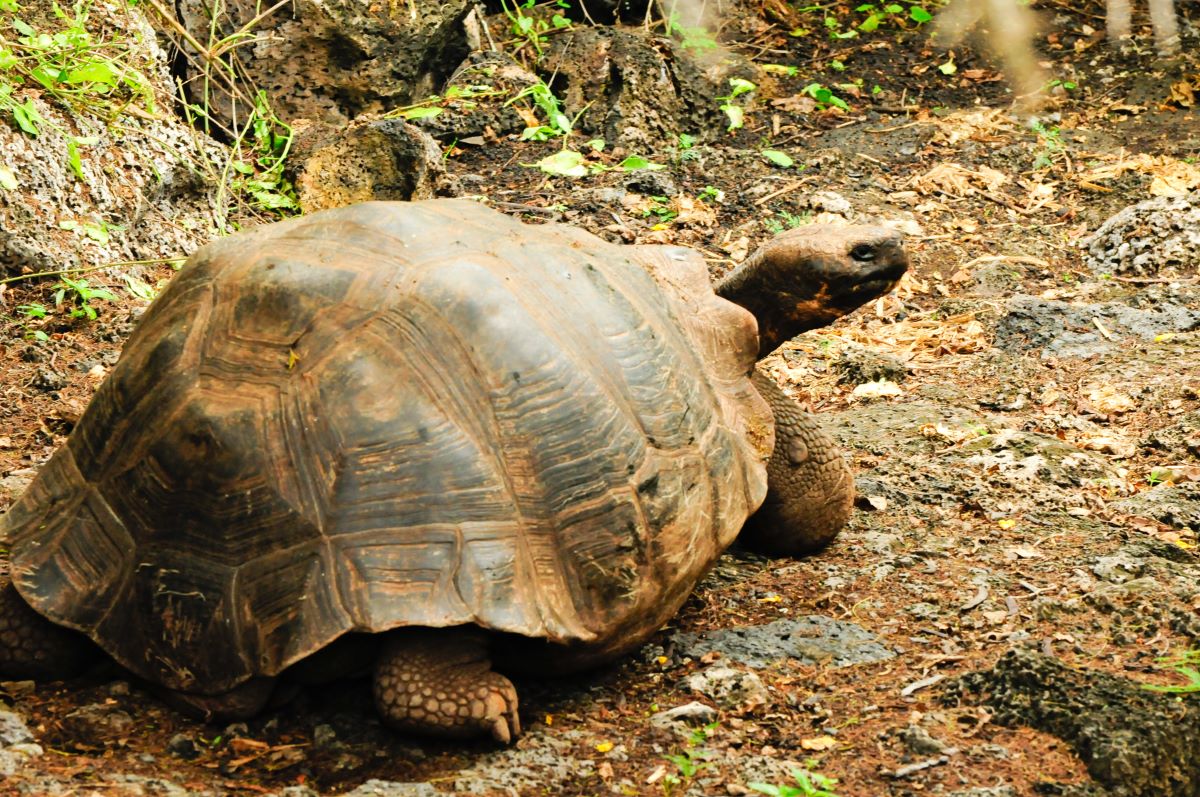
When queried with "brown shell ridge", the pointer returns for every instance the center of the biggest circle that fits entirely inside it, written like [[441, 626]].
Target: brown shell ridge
[[424, 331], [564, 627]]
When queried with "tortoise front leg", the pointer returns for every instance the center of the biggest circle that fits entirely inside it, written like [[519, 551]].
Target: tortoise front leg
[[439, 682], [810, 489], [32, 647]]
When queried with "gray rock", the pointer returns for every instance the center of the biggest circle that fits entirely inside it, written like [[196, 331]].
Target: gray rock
[[140, 196], [1176, 505], [830, 202], [1019, 458], [539, 764], [809, 640], [13, 758], [13, 729], [729, 687], [183, 746], [1119, 567], [764, 769], [1069, 330], [1134, 741], [96, 720], [694, 713], [367, 159], [1148, 237], [331, 60], [637, 91], [387, 788], [857, 365], [918, 741]]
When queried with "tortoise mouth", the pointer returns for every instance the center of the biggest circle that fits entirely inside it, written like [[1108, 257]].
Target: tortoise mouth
[[880, 281]]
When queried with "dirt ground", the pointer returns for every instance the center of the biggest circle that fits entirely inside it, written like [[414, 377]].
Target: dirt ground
[[1023, 421]]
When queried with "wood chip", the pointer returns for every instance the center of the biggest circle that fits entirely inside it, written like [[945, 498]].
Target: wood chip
[[912, 769], [979, 598], [916, 686]]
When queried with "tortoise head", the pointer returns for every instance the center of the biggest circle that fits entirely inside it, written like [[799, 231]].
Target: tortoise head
[[810, 276]]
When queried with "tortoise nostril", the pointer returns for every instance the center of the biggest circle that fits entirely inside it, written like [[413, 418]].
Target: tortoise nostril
[[863, 253]]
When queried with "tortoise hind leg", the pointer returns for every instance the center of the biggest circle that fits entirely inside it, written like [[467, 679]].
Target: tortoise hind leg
[[439, 682], [33, 647], [810, 489]]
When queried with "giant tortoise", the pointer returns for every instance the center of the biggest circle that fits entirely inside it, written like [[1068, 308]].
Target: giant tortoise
[[429, 426]]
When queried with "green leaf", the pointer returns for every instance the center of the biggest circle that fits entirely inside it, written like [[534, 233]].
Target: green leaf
[[9, 6], [564, 163], [23, 28], [139, 288], [781, 69], [73, 159], [919, 15], [27, 117], [778, 158], [948, 68], [7, 59], [98, 232], [8, 180], [420, 113], [635, 162], [740, 86], [94, 72], [737, 117], [870, 23]]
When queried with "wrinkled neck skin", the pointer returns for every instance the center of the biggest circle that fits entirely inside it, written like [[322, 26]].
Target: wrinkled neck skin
[[783, 305]]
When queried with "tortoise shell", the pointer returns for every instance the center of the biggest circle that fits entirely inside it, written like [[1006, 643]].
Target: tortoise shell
[[399, 414]]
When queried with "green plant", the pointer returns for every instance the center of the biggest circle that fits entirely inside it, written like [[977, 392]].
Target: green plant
[[660, 207], [891, 12], [781, 159], [33, 312], [433, 105], [533, 28], [1052, 144], [781, 69], [696, 38], [710, 194], [82, 73], [257, 160], [557, 122], [694, 758], [808, 784], [824, 97], [787, 221], [735, 113], [1065, 85], [79, 295], [1182, 663]]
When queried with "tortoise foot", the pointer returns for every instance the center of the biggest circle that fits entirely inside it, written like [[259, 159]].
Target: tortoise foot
[[240, 703], [439, 682], [32, 647], [810, 489]]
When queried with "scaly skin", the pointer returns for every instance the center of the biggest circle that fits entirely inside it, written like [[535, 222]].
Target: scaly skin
[[33, 647], [439, 682], [810, 489]]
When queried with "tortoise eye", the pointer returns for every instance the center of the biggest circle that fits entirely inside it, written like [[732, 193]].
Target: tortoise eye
[[863, 253]]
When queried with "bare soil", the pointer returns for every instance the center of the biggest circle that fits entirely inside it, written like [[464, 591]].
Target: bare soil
[[1013, 462]]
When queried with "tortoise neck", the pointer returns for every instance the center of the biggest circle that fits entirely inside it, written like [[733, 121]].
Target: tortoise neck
[[765, 288]]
